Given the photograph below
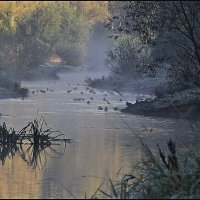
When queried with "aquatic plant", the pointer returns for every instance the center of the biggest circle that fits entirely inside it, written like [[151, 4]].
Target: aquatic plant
[[160, 176], [36, 135]]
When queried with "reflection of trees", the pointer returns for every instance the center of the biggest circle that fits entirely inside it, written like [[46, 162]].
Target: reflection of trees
[[33, 143], [34, 155], [7, 150]]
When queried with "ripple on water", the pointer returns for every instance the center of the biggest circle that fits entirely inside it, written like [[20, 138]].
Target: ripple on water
[[104, 145]]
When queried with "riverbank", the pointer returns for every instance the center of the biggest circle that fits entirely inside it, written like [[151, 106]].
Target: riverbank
[[10, 79], [11, 89], [6, 93], [184, 104], [42, 72], [160, 175]]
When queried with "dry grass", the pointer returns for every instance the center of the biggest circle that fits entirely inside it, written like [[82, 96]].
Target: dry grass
[[162, 176], [35, 137]]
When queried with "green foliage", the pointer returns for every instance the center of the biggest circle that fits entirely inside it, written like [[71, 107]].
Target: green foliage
[[7, 33], [52, 29], [129, 58], [73, 35], [32, 32], [37, 35], [7, 24]]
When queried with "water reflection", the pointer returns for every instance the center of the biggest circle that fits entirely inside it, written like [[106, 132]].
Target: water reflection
[[18, 180], [106, 146], [7, 150], [23, 181], [34, 155]]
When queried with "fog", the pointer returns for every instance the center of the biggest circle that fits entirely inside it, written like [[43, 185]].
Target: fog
[[90, 89], [97, 47]]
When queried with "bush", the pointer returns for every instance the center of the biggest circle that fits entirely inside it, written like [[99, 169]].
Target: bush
[[129, 58], [103, 82], [13, 87]]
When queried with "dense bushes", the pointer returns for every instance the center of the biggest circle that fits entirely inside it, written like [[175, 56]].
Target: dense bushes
[[170, 30], [13, 88], [32, 32], [51, 29], [130, 58]]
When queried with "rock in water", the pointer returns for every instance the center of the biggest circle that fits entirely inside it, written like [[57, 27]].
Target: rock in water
[[100, 108], [115, 108]]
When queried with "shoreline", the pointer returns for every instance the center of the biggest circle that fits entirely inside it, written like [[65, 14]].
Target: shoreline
[[11, 87], [7, 93], [188, 111]]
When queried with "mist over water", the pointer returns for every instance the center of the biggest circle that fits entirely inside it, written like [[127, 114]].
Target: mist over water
[[67, 71], [105, 141], [105, 144], [97, 47]]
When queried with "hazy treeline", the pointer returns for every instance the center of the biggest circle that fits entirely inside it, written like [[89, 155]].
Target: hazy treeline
[[31, 32]]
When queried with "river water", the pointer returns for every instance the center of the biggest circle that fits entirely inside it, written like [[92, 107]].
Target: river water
[[106, 144]]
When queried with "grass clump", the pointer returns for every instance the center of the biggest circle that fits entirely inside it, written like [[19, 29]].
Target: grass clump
[[36, 137], [10, 88], [161, 176]]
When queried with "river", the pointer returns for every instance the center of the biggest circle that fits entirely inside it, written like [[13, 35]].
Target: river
[[106, 144]]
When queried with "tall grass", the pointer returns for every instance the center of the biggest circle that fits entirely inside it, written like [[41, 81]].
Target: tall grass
[[13, 86], [161, 176], [36, 136]]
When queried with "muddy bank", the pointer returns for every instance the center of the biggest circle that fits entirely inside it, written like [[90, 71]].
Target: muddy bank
[[185, 104], [11, 93], [10, 86]]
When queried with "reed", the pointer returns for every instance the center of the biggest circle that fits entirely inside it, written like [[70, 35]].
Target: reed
[[160, 176], [35, 134]]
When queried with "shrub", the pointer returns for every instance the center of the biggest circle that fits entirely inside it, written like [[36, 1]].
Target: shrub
[[129, 58]]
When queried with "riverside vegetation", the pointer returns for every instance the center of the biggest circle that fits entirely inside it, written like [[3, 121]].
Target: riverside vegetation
[[157, 52], [161, 176], [36, 135], [31, 33], [157, 46]]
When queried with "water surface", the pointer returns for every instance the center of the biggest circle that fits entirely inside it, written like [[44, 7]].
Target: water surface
[[106, 142]]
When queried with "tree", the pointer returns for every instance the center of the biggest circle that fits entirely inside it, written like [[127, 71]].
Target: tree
[[33, 31], [129, 58], [73, 35], [93, 11], [172, 25], [37, 35], [7, 34]]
